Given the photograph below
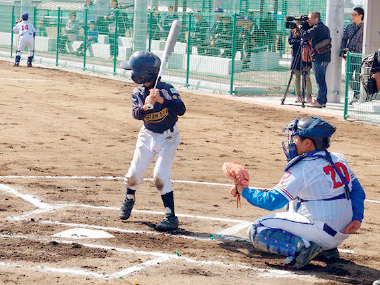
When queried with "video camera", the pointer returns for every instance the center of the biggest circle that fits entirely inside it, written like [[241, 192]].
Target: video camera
[[290, 21]]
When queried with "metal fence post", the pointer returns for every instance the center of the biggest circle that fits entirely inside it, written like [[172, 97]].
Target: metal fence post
[[116, 44], [150, 30], [58, 35], [188, 51], [233, 55], [12, 33], [85, 39], [348, 63]]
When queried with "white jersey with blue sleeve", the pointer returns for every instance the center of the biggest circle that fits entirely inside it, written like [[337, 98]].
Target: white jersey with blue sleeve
[[25, 29], [320, 190]]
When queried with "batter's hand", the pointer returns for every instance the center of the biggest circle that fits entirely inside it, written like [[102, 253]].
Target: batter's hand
[[352, 227], [149, 102], [155, 93]]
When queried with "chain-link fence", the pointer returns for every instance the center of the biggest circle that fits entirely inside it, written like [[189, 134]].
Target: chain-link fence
[[241, 53], [358, 103]]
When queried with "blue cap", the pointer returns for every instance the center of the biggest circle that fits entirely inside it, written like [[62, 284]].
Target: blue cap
[[248, 18], [218, 10], [25, 16]]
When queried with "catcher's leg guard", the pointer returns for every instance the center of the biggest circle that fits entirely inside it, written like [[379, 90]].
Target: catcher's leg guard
[[30, 59], [275, 241]]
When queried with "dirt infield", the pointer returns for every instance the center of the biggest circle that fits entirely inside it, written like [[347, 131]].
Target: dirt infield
[[66, 142]]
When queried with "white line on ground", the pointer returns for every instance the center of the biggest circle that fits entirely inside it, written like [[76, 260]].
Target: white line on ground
[[146, 179], [265, 273], [36, 202]]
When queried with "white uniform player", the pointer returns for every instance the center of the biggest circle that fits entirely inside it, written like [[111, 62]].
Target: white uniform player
[[324, 197], [159, 109], [26, 32]]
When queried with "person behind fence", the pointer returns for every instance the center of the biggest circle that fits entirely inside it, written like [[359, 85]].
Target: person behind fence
[[70, 34], [157, 29], [27, 34], [41, 26], [268, 26], [325, 198], [201, 33], [319, 35], [159, 108], [222, 41], [249, 36], [216, 29], [370, 77], [352, 41], [92, 37], [301, 59], [92, 11], [168, 19]]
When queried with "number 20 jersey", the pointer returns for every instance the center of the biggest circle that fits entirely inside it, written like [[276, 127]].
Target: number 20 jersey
[[313, 180]]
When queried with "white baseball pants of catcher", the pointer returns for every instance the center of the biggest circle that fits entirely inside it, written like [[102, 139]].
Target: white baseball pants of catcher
[[149, 145], [299, 225], [26, 40]]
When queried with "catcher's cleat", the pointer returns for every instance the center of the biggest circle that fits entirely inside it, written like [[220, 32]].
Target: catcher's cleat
[[30, 64], [169, 223], [126, 209], [304, 257], [16, 64], [330, 254]]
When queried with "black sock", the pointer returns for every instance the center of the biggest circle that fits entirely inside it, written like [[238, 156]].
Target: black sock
[[168, 200], [130, 194]]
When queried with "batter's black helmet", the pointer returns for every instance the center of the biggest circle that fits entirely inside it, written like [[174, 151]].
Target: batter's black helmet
[[144, 65], [25, 16]]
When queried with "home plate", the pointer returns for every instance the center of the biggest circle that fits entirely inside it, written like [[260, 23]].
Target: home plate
[[83, 233]]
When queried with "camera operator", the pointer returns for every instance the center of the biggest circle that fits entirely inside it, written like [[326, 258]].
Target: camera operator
[[319, 34], [352, 41], [300, 61]]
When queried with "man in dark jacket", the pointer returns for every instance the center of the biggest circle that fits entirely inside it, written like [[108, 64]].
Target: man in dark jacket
[[317, 32]]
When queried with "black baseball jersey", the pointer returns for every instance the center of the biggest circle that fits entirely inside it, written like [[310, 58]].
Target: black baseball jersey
[[163, 116]]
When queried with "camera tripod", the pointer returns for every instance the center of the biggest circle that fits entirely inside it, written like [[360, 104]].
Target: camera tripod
[[304, 73]]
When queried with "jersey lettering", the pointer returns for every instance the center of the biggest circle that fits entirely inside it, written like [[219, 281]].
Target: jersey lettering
[[329, 170]]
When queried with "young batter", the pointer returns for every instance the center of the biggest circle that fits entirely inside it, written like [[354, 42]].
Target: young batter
[[326, 199], [27, 32], [159, 137]]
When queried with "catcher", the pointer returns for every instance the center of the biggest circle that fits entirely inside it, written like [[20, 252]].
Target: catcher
[[325, 199]]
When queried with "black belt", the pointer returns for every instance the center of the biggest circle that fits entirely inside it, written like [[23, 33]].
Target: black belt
[[170, 129], [329, 230]]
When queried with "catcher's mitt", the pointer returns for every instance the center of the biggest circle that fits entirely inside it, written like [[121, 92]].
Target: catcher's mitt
[[238, 174]]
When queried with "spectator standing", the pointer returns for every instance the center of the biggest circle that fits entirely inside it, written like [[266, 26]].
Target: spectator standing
[[352, 41], [317, 32], [157, 29]]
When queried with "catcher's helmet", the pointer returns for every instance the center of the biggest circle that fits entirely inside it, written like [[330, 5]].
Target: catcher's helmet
[[316, 129], [144, 65], [25, 16]]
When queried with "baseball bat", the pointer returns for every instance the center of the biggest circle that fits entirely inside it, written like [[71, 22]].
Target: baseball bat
[[169, 48]]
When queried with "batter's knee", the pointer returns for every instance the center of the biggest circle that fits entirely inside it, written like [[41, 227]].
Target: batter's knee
[[162, 183], [132, 181]]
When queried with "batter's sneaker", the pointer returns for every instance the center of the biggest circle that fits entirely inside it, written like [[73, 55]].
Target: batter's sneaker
[[169, 223], [126, 209], [304, 257]]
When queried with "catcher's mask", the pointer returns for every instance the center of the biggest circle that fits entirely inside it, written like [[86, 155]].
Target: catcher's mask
[[316, 129], [144, 65]]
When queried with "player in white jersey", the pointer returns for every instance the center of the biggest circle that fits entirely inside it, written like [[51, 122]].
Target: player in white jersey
[[27, 33], [325, 199]]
